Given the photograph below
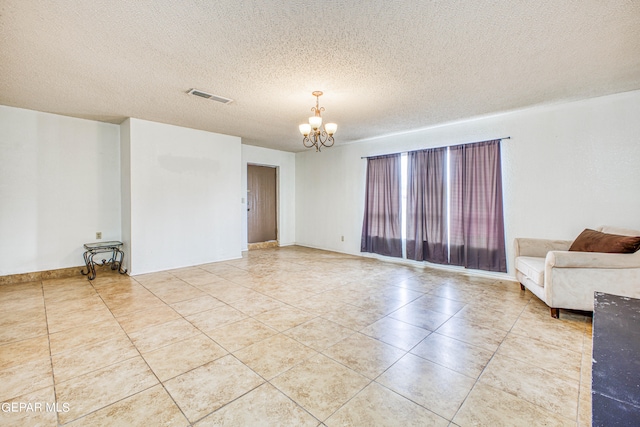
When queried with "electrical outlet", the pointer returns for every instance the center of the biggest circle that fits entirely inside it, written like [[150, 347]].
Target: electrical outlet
[[98, 235], [342, 238]]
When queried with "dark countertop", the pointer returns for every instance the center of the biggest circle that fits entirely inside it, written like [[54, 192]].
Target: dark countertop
[[615, 387]]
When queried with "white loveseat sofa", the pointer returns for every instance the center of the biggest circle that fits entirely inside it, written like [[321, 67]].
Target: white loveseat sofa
[[568, 279]]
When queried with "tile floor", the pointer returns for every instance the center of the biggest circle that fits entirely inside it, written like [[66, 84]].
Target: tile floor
[[289, 336]]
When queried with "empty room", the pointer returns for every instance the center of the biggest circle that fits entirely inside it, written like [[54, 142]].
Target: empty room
[[295, 213]]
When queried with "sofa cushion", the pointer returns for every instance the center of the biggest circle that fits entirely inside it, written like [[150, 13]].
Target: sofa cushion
[[596, 241], [618, 230], [532, 267]]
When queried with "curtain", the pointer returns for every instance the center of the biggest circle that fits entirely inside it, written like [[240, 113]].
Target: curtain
[[381, 228], [476, 219], [427, 206]]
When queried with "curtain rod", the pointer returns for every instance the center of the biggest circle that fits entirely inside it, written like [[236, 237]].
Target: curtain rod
[[464, 143]]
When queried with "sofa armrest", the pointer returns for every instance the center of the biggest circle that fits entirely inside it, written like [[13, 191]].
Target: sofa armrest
[[539, 247], [566, 259]]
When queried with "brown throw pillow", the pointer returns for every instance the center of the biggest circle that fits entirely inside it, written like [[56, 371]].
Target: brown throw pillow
[[595, 241]]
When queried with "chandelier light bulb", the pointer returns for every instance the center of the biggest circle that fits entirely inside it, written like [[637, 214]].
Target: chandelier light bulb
[[305, 129], [331, 128], [315, 122]]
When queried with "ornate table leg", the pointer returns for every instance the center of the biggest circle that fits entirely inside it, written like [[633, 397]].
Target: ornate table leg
[[117, 263], [91, 269]]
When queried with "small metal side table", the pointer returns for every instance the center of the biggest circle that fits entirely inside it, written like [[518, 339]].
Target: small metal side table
[[92, 249]]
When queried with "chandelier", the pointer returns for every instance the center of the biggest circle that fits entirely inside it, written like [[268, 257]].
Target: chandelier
[[315, 134]]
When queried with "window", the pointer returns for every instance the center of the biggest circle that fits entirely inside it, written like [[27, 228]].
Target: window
[[449, 210]]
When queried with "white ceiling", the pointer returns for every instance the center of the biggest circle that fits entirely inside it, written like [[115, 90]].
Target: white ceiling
[[385, 66]]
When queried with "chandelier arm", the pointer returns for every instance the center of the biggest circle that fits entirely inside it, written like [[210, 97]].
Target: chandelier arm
[[329, 142], [306, 140]]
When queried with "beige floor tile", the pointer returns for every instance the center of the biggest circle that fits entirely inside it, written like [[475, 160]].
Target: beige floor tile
[[57, 294], [241, 334], [557, 332], [584, 407], [120, 287], [554, 359], [439, 304], [85, 335], [21, 290], [74, 319], [284, 294], [351, 316], [416, 315], [494, 319], [399, 293], [274, 355], [151, 407], [284, 318], [377, 406], [154, 337], [153, 278], [459, 356], [319, 333], [435, 387], [182, 356], [378, 304], [25, 378], [488, 406], [320, 385], [19, 325], [418, 284], [452, 290], [229, 292], [172, 292], [365, 355], [318, 304], [81, 360], [197, 305], [60, 308], [473, 333], [17, 302], [143, 319], [264, 406], [222, 269], [41, 412], [196, 276], [20, 352], [209, 320], [395, 332], [586, 367], [98, 389], [536, 385], [121, 306], [205, 389], [256, 304]]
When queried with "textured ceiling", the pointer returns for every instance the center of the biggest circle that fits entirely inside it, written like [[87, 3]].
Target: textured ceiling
[[385, 66]]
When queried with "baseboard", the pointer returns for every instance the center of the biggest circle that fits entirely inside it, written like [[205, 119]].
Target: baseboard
[[36, 276]]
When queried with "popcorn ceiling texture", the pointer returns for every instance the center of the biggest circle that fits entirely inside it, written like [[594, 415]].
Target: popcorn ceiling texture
[[384, 66]]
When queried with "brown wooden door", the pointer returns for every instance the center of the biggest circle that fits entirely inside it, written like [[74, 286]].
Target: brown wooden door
[[261, 204]]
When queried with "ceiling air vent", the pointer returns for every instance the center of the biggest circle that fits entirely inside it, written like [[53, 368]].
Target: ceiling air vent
[[206, 95]]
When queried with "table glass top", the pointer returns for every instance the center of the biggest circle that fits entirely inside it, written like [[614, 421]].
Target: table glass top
[[100, 245]]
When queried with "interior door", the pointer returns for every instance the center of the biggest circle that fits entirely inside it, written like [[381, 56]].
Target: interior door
[[261, 204]]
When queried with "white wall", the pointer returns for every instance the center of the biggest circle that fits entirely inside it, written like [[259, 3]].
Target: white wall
[[286, 164], [59, 185], [185, 204], [566, 167]]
